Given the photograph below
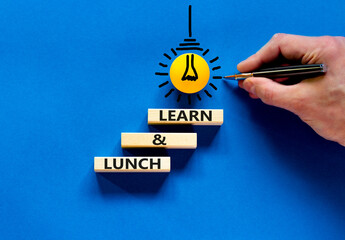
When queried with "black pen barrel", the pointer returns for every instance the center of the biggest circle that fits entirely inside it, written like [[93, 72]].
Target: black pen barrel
[[290, 71]]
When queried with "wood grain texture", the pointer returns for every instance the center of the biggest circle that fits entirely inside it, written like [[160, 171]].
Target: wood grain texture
[[162, 140], [185, 116], [132, 164]]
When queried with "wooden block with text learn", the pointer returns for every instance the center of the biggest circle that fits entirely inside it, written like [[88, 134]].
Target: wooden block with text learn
[[186, 116], [159, 140], [132, 164]]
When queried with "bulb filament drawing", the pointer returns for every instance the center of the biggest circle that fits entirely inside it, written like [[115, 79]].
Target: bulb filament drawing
[[190, 73]]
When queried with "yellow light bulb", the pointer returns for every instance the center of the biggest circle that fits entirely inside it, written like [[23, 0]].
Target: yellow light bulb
[[189, 73]]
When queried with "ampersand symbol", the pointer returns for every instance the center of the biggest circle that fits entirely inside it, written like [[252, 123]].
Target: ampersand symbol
[[158, 141]]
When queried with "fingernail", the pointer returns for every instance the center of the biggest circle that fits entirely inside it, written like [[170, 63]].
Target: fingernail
[[241, 62], [249, 86]]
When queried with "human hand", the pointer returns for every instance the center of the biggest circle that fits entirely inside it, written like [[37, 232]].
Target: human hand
[[318, 101]]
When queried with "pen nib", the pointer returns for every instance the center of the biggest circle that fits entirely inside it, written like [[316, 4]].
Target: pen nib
[[239, 76], [230, 77]]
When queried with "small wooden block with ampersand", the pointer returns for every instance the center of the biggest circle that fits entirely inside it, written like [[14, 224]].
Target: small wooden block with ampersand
[[159, 140]]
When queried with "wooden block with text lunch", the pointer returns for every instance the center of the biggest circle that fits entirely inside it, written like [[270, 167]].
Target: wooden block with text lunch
[[132, 164], [185, 116], [159, 140]]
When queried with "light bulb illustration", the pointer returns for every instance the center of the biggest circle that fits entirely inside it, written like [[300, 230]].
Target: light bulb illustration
[[189, 72]]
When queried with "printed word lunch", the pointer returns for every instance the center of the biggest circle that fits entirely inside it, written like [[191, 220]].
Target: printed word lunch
[[132, 164]]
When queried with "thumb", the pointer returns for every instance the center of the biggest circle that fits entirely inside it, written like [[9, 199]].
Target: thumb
[[271, 93]]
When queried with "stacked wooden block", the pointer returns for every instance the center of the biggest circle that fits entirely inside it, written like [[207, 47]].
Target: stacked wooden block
[[159, 140]]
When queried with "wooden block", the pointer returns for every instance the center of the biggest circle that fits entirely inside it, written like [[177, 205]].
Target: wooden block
[[132, 164], [186, 116], [159, 140]]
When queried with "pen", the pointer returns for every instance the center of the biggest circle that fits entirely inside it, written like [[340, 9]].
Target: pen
[[281, 72]]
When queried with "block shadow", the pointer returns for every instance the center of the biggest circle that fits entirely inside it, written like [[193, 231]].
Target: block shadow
[[179, 157], [136, 183], [205, 134]]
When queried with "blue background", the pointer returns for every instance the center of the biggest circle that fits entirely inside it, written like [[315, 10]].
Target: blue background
[[75, 74]]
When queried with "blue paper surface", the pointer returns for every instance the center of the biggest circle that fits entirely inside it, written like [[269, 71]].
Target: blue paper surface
[[75, 74]]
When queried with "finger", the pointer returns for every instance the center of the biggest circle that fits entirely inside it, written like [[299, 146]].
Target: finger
[[253, 96], [240, 83], [272, 93], [291, 47], [283, 79]]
